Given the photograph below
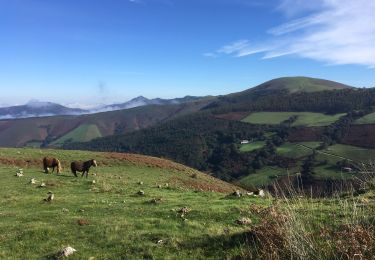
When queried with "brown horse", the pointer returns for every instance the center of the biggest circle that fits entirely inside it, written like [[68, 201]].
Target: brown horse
[[83, 167], [51, 162]]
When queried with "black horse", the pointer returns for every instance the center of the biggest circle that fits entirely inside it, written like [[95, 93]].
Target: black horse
[[83, 167]]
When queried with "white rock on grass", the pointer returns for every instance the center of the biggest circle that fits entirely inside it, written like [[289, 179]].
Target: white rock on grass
[[243, 221], [33, 181], [42, 185], [66, 252], [50, 197], [18, 174]]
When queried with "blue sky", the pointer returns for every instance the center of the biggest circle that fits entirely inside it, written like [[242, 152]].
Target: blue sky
[[85, 52]]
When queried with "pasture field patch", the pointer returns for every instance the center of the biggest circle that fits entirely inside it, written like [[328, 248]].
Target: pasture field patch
[[367, 119], [252, 146], [117, 222], [296, 150], [262, 177], [330, 172], [83, 133], [358, 154], [309, 119]]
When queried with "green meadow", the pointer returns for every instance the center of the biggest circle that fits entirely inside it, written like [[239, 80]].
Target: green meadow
[[303, 118]]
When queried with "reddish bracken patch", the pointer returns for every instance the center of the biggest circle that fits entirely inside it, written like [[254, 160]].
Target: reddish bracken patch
[[236, 116], [82, 222], [306, 134]]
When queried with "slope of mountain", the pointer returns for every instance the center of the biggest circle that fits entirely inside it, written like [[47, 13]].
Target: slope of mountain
[[209, 140], [36, 109], [45, 130], [299, 84]]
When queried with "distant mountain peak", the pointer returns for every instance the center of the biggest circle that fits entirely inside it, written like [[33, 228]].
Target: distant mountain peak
[[300, 84], [34, 103]]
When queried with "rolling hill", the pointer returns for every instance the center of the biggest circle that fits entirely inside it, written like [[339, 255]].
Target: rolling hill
[[278, 112], [36, 109], [56, 130]]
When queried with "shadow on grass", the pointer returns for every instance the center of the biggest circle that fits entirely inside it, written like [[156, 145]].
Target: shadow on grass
[[239, 242]]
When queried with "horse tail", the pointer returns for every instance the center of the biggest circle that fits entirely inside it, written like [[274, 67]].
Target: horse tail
[[45, 164], [59, 168]]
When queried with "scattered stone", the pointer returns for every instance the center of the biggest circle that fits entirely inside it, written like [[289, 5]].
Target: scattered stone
[[260, 193], [65, 210], [243, 221], [194, 175], [81, 210], [140, 183], [50, 197], [156, 200], [141, 193], [93, 181], [160, 242], [42, 185], [33, 181], [183, 211], [167, 185], [159, 186], [250, 193], [66, 252], [237, 193], [19, 174]]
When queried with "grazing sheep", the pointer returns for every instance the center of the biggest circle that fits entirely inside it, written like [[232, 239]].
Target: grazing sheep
[[51, 162], [83, 167]]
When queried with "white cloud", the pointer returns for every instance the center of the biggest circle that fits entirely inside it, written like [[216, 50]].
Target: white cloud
[[340, 32]]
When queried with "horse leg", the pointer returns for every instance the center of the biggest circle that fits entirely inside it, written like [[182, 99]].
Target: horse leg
[[53, 169], [75, 173], [45, 169], [87, 173], [83, 173]]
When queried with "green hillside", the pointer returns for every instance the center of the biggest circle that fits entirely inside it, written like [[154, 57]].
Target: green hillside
[[108, 219], [303, 118], [367, 119], [58, 129], [182, 214], [83, 133], [301, 84]]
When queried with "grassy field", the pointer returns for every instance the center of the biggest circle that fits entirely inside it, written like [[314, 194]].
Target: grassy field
[[252, 146], [303, 118], [116, 222], [329, 172], [358, 154], [296, 150], [83, 133], [108, 219], [262, 177], [367, 119]]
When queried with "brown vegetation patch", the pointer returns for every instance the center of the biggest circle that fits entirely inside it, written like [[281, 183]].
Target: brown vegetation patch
[[150, 161], [360, 135], [354, 242], [20, 162], [236, 116], [306, 134], [82, 222]]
